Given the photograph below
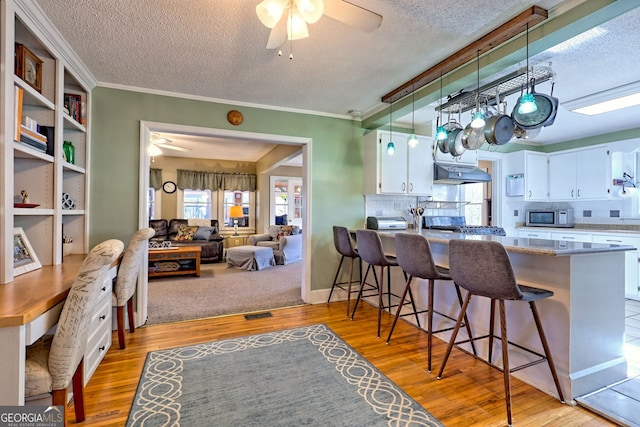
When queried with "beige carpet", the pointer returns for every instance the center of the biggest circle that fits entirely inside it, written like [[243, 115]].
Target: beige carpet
[[221, 290]]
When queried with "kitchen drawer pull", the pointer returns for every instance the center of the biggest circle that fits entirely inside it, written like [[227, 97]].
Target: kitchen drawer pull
[[102, 347], [616, 241], [568, 237], [104, 288], [104, 316]]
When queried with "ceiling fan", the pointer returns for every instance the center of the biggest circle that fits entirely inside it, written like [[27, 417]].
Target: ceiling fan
[[162, 142], [288, 19]]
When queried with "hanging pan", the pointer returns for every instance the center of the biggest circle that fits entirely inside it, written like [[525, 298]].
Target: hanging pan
[[455, 141], [545, 115], [498, 129]]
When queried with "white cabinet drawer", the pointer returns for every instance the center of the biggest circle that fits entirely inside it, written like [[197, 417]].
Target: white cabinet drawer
[[101, 319], [534, 234], [96, 350], [571, 236], [613, 239], [41, 324]]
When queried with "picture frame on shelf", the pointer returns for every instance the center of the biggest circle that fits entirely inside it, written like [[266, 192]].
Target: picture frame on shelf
[[28, 67], [24, 257]]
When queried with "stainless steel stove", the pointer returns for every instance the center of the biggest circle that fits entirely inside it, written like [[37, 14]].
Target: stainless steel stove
[[457, 224]]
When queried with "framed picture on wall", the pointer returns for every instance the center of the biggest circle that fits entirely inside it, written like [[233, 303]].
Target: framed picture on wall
[[24, 258]]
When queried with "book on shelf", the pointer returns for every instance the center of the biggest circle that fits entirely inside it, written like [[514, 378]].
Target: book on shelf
[[33, 143], [19, 94], [49, 132], [33, 135], [74, 105]]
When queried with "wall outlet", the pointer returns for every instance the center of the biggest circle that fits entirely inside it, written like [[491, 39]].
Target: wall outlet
[[515, 212], [614, 214], [586, 214]]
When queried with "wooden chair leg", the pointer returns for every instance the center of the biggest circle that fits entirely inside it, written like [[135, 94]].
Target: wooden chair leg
[[363, 281], [380, 303], [402, 298], [132, 325], [491, 325], [547, 352], [454, 334], [120, 322], [59, 398], [430, 323], [335, 279], [78, 391], [505, 360]]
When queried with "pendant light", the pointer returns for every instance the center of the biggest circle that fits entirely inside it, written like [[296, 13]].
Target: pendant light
[[413, 139], [391, 148], [478, 117], [441, 131], [527, 103]]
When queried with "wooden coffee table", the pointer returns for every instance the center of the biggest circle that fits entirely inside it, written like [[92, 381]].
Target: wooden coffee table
[[170, 257]]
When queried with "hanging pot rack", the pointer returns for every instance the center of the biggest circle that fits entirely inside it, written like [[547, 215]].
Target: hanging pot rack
[[503, 87]]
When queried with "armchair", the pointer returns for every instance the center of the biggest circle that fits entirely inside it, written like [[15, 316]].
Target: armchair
[[286, 242]]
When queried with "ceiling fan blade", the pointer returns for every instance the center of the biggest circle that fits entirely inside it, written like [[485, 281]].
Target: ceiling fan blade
[[171, 147], [278, 34], [352, 15]]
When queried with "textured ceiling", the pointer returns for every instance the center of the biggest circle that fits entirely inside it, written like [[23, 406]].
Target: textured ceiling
[[216, 49]]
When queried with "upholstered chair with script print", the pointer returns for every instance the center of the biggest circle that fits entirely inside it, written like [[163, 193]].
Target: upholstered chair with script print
[[125, 286], [54, 362]]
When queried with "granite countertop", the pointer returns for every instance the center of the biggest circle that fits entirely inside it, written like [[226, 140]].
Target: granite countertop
[[522, 244]]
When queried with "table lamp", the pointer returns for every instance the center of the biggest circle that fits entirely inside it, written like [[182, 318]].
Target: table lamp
[[235, 212]]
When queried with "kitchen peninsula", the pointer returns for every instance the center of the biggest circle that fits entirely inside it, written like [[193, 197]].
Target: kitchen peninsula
[[583, 321]]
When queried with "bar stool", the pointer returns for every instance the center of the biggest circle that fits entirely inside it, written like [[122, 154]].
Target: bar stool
[[483, 268], [371, 251], [344, 245], [414, 256]]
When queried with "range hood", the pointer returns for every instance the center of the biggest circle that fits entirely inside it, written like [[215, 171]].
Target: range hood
[[459, 174]]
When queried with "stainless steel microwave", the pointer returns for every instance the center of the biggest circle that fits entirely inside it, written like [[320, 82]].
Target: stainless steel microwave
[[549, 218]]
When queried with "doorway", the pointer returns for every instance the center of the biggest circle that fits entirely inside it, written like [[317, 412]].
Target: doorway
[[146, 128], [285, 203]]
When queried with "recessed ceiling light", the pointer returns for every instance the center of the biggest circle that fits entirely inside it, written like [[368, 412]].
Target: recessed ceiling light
[[609, 100]]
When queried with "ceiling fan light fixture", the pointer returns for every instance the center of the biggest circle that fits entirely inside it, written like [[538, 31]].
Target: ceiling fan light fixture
[[270, 11], [527, 104], [310, 10], [296, 26], [154, 150]]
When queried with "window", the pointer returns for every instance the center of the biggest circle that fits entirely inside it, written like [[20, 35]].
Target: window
[[196, 204], [207, 205], [236, 198], [153, 203]]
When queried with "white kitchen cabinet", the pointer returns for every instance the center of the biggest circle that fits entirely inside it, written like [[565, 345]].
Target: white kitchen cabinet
[[536, 176], [535, 170], [571, 236], [533, 234], [631, 269], [409, 170], [580, 174]]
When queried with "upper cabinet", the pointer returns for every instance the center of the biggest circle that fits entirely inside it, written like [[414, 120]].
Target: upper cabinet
[[46, 103], [403, 170], [580, 174], [534, 169]]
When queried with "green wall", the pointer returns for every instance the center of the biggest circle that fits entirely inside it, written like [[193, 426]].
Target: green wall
[[336, 168]]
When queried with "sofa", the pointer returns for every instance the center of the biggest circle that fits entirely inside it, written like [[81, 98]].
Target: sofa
[[285, 240], [184, 232]]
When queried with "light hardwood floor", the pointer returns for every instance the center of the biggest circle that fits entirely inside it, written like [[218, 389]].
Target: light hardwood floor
[[470, 394]]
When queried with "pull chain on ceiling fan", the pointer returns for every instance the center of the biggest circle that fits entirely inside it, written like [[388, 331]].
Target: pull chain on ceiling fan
[[288, 19]]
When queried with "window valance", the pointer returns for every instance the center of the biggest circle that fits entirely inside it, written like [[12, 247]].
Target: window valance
[[155, 178], [201, 180]]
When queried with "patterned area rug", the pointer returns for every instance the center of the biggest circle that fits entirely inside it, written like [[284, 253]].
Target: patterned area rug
[[295, 377]]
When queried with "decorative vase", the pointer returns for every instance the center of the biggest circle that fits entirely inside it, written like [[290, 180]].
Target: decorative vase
[[69, 152]]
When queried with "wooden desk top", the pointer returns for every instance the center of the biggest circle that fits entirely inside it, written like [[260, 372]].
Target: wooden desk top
[[35, 292]]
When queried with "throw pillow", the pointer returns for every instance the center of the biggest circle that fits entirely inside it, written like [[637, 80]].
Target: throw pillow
[[203, 233], [186, 232], [285, 230], [274, 230]]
